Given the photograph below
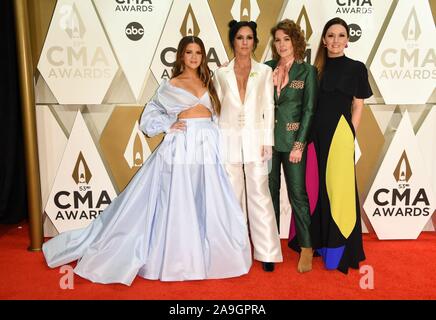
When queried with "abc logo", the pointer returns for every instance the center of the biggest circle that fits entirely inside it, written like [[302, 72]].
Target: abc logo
[[355, 32], [134, 31]]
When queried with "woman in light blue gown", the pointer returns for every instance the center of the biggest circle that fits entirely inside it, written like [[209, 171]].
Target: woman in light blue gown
[[178, 219]]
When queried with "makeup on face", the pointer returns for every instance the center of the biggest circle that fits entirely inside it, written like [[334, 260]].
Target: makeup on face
[[283, 44], [336, 40], [192, 56], [244, 40]]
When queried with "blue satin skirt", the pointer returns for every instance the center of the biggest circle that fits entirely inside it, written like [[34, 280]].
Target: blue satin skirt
[[178, 219]]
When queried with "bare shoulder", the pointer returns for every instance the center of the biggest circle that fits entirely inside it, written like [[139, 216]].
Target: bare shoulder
[[175, 81], [180, 81], [187, 83]]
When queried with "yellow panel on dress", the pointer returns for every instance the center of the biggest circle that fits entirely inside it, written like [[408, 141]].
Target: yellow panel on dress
[[340, 178]]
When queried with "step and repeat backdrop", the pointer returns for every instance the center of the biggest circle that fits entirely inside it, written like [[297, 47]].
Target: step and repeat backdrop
[[99, 62]]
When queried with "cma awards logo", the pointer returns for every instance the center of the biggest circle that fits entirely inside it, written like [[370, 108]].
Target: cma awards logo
[[305, 25], [410, 62], [403, 172], [403, 199], [354, 7], [189, 27], [245, 10], [134, 6], [70, 205], [137, 150], [81, 173], [72, 23], [76, 60], [411, 30]]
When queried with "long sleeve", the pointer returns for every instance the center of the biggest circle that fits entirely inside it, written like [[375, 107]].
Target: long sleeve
[[268, 114], [309, 104], [155, 119]]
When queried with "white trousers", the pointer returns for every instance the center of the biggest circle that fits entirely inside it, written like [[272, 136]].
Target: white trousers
[[250, 183]]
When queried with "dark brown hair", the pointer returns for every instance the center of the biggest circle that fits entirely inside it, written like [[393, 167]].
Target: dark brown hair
[[294, 31], [234, 27], [203, 70], [321, 54]]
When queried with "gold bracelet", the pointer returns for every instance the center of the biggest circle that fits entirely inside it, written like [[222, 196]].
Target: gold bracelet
[[299, 146]]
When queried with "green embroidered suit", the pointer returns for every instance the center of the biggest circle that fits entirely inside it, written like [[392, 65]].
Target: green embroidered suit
[[295, 107], [294, 110]]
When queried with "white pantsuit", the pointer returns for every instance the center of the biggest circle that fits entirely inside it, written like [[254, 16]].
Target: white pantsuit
[[246, 127]]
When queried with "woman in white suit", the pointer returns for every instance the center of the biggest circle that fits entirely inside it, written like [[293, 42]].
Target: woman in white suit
[[245, 90]]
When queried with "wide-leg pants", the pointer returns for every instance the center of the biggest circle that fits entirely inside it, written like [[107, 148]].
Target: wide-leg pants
[[295, 177], [250, 183]]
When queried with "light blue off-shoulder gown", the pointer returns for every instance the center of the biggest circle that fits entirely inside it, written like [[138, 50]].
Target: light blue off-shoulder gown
[[177, 219]]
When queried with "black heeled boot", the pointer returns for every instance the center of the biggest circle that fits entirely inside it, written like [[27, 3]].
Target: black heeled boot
[[268, 266]]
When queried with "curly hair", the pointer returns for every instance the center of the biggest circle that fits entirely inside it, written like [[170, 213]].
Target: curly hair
[[298, 39]]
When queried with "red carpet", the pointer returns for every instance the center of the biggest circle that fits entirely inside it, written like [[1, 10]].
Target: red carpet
[[402, 270]]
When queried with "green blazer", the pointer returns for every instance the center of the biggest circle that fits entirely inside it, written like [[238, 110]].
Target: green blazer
[[295, 107]]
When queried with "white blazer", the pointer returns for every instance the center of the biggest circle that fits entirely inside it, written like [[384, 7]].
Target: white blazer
[[247, 126]]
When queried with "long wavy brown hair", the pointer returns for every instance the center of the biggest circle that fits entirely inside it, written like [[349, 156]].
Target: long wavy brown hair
[[321, 54], [294, 31], [203, 70]]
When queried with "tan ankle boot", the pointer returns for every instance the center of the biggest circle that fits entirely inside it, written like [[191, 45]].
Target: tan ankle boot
[[305, 262]]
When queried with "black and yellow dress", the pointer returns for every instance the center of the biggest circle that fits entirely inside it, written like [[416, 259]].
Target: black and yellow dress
[[336, 232]]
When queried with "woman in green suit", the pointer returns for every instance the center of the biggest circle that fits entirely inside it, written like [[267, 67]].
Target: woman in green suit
[[295, 84]]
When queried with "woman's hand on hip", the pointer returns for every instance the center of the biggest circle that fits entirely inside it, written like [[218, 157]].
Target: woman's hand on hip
[[178, 126]]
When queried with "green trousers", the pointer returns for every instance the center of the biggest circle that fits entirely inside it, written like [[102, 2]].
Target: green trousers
[[295, 177]]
